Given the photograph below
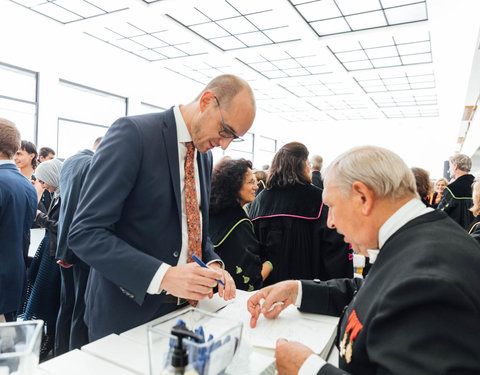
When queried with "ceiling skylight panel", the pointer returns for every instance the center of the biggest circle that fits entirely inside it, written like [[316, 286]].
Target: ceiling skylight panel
[[127, 44], [296, 72], [264, 20], [406, 13], [417, 59], [229, 42], [281, 34], [376, 53], [319, 10], [170, 52], [414, 48], [275, 74], [356, 6], [53, 11], [358, 65], [287, 64], [332, 26], [263, 66], [209, 30], [390, 61], [105, 34], [109, 5], [352, 56], [247, 6], [395, 81], [149, 41], [368, 20], [422, 85], [319, 69], [395, 3], [254, 39], [150, 55], [126, 29], [217, 9], [237, 25], [80, 7]]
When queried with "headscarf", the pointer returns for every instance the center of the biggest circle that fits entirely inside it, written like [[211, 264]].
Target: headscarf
[[49, 172]]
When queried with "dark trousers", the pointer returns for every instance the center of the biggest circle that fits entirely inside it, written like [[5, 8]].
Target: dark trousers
[[72, 332], [11, 316]]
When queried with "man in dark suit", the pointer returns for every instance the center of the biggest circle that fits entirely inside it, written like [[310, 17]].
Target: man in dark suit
[[71, 332], [133, 214], [18, 206], [316, 162], [416, 312]]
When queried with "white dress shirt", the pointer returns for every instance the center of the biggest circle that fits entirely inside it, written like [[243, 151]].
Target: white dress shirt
[[409, 211], [183, 136]]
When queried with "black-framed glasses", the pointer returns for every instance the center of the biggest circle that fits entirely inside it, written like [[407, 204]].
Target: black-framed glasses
[[225, 132]]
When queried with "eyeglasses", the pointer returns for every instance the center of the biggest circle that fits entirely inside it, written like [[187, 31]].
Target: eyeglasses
[[227, 133]]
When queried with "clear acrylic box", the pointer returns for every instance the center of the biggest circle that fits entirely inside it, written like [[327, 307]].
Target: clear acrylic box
[[20, 347], [218, 352]]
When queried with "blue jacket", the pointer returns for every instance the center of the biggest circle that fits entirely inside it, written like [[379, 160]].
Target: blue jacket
[[18, 206], [128, 220]]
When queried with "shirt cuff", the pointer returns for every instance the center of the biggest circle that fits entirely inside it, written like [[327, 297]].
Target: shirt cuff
[[219, 261], [298, 301], [312, 365], [154, 287]]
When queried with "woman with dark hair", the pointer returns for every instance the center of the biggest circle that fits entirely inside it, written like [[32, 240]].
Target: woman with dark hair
[[231, 231], [290, 220]]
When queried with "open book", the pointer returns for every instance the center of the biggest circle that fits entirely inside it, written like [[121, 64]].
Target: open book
[[313, 330]]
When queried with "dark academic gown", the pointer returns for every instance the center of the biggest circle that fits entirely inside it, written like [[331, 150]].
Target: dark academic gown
[[457, 199], [291, 224], [417, 312], [233, 237], [475, 229]]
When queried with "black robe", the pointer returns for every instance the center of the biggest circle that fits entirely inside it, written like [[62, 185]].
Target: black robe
[[475, 229], [417, 312], [291, 224], [231, 232]]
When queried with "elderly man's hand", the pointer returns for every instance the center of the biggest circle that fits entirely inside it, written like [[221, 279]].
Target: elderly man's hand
[[290, 356], [272, 300]]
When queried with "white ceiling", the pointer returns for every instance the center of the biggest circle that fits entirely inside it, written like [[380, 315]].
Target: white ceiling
[[314, 62]]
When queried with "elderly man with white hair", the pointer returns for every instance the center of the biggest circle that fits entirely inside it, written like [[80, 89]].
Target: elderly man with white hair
[[457, 197], [417, 311]]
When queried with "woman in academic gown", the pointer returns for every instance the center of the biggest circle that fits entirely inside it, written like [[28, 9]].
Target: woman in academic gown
[[231, 231], [290, 221]]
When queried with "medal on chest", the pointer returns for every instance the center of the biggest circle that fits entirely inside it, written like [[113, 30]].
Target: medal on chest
[[351, 332]]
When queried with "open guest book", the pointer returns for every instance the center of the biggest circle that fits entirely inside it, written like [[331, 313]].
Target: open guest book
[[315, 331]]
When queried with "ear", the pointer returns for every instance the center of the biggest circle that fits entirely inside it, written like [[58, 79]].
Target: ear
[[363, 197], [205, 99]]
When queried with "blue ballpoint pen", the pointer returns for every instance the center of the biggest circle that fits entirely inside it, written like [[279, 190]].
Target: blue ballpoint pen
[[199, 261]]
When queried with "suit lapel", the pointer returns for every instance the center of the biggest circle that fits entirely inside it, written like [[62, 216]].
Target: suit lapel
[[171, 145]]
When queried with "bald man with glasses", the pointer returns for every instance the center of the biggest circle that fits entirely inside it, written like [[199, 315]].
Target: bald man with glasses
[[141, 218]]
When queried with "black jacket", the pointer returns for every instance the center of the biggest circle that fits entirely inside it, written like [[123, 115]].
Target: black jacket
[[49, 221], [417, 312], [457, 199]]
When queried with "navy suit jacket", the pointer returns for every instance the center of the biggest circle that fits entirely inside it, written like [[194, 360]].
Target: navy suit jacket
[[18, 206], [128, 220]]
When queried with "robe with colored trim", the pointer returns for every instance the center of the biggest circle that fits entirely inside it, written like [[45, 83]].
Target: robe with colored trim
[[291, 224], [231, 232]]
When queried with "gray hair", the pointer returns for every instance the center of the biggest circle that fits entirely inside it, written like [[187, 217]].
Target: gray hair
[[462, 161], [317, 162], [49, 172], [381, 170]]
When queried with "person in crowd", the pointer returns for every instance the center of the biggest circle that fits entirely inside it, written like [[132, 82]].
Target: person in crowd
[[406, 316], [438, 187], [71, 331], [26, 161], [424, 186], [475, 226], [231, 231], [45, 153], [43, 293], [266, 167], [290, 221], [457, 196], [316, 163], [138, 209], [18, 205], [225, 157], [261, 177]]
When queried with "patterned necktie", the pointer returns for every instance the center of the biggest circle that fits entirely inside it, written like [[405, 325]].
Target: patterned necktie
[[191, 208]]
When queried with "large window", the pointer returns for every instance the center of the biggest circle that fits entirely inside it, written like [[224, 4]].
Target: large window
[[19, 99], [243, 149], [85, 114], [267, 147]]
